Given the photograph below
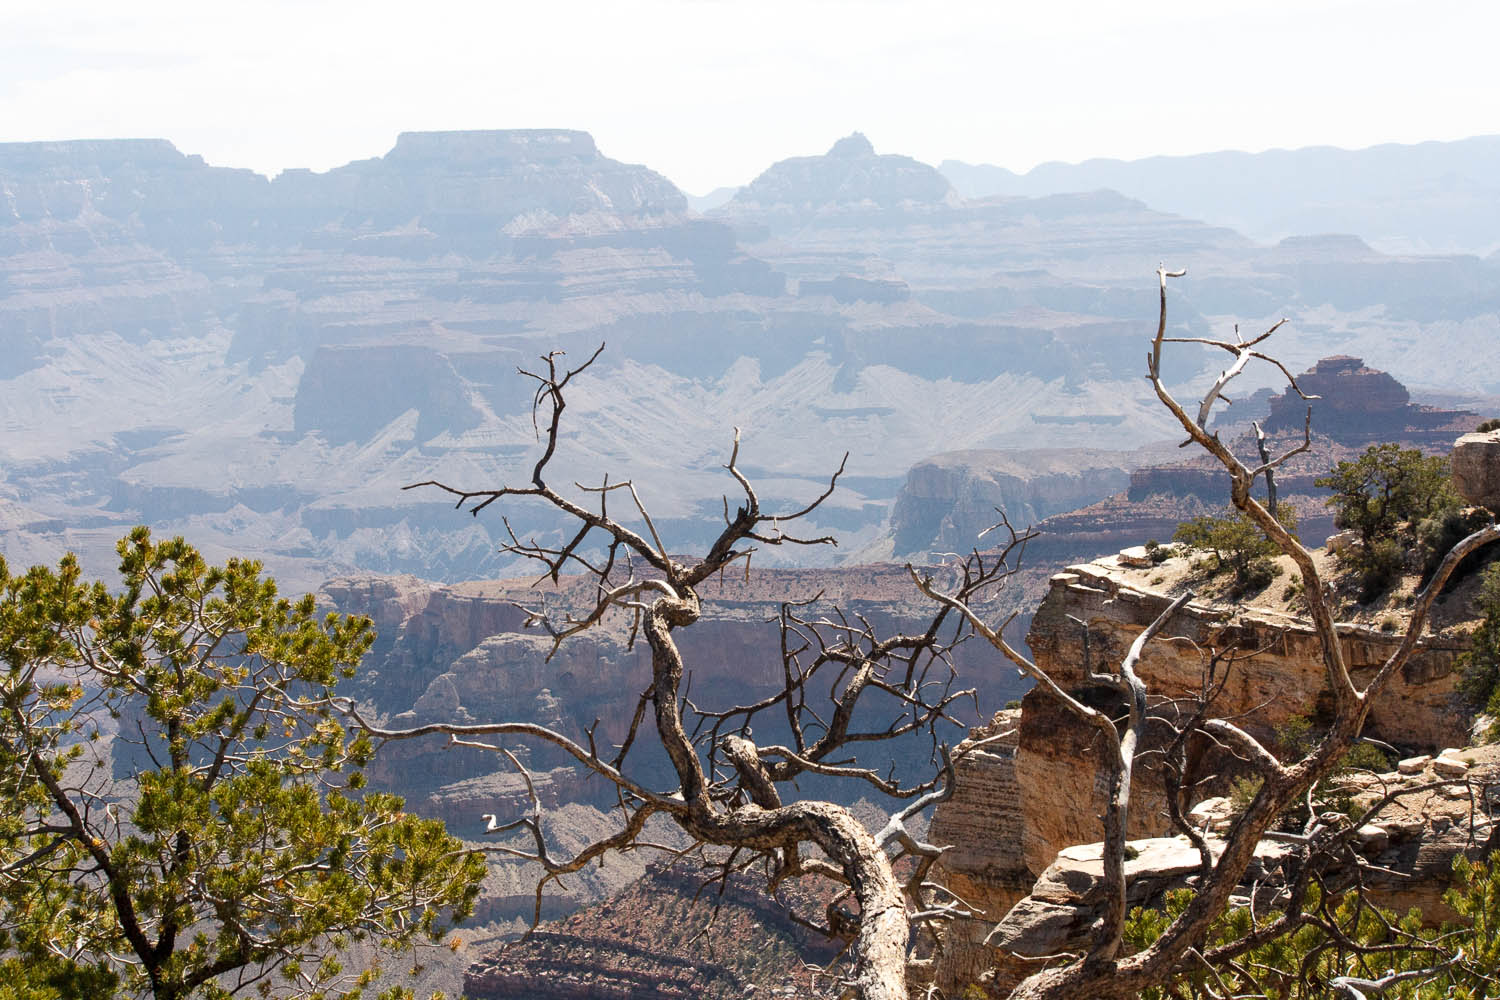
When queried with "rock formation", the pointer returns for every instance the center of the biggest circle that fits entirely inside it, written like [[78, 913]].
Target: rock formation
[[1089, 618], [1429, 197], [461, 653], [949, 499], [326, 338], [664, 936], [1476, 469], [1357, 404], [849, 179], [1409, 848]]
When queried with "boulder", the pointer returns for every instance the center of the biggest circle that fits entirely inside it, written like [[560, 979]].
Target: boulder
[[1215, 814], [1372, 839], [1065, 903], [1476, 469], [1450, 767], [1404, 827], [1342, 540], [1414, 765]]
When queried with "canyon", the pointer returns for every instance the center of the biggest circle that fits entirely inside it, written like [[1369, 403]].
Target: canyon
[[1083, 503], [1028, 800], [261, 363]]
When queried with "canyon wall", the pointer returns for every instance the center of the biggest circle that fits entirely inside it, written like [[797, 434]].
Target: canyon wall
[[261, 364], [461, 653], [1042, 789]]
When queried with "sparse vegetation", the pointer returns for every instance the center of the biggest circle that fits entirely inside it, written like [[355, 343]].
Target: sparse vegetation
[[1356, 943], [1242, 792], [1236, 545], [1402, 504], [1493, 424], [1479, 668]]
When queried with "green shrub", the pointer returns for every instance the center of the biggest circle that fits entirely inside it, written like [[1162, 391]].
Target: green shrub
[[1493, 424], [1380, 564], [1438, 534], [1366, 757], [1385, 486], [1479, 668], [1294, 738], [1259, 574], [1237, 545], [1352, 937], [1243, 792]]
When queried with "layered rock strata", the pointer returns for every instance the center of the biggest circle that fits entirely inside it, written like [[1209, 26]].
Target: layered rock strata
[[1476, 469], [1355, 402], [1052, 780], [666, 937], [1403, 859], [1420, 709], [462, 653]]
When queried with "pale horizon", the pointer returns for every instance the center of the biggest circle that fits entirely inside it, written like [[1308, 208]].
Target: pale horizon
[[711, 93]]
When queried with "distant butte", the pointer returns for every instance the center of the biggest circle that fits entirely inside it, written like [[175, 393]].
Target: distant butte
[[1358, 404], [850, 176]]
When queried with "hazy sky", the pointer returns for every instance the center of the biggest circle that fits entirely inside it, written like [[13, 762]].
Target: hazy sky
[[711, 92]]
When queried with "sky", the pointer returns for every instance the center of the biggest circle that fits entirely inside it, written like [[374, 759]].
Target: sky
[[710, 92]]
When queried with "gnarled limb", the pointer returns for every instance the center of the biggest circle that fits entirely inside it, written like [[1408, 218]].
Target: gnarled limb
[[1103, 974], [727, 789]]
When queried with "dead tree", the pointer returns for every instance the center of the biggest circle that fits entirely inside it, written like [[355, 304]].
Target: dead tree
[[1104, 970], [729, 790]]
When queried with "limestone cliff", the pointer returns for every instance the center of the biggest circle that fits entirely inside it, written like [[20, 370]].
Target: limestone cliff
[[949, 499], [461, 653], [1420, 710], [850, 179], [665, 936], [1020, 804]]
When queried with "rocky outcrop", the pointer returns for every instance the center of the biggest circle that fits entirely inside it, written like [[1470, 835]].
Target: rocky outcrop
[[1047, 770], [981, 827], [665, 937], [1420, 709], [1476, 469], [1064, 904], [850, 179], [1356, 404], [1404, 860], [949, 499]]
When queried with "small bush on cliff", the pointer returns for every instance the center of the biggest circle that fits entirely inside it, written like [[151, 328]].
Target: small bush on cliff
[[1479, 668], [1237, 546], [1437, 534], [1492, 424], [1385, 486], [1293, 740], [1403, 505], [220, 843], [1350, 952]]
